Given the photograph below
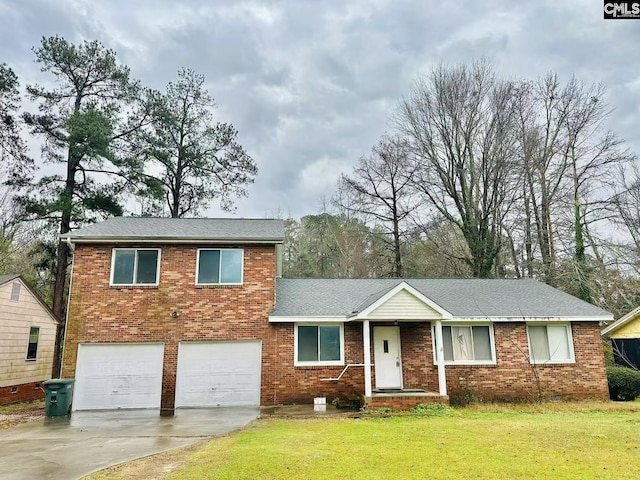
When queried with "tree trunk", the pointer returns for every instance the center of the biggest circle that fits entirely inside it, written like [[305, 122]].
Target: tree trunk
[[62, 257], [396, 246], [59, 304], [546, 240], [62, 260], [528, 242], [582, 269]]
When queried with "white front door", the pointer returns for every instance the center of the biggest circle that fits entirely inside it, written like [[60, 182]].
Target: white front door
[[387, 361]]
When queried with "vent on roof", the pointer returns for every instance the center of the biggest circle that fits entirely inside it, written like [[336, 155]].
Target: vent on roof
[[15, 292]]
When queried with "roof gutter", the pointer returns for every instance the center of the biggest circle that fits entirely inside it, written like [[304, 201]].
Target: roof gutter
[[453, 320], [193, 240]]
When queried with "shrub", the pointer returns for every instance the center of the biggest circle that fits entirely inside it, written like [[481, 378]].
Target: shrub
[[380, 411], [624, 383], [433, 409]]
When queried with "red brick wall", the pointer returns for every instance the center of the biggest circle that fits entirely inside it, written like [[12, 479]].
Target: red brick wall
[[24, 393], [301, 384], [415, 342], [513, 377], [99, 313]]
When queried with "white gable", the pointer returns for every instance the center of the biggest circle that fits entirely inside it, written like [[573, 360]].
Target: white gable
[[403, 304]]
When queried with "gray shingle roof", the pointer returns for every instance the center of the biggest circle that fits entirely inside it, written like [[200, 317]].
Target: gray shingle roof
[[209, 229], [461, 297], [7, 278]]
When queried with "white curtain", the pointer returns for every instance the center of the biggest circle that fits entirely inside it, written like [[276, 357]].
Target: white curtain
[[558, 342], [539, 343], [462, 343]]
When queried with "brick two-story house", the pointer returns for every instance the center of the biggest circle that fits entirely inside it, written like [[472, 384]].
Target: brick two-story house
[[169, 313]]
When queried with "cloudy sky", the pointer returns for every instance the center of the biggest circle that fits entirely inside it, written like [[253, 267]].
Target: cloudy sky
[[311, 85]]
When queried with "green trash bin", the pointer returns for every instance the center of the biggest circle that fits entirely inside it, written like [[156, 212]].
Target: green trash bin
[[58, 394]]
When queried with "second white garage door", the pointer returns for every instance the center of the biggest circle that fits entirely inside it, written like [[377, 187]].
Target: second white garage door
[[118, 375], [218, 374]]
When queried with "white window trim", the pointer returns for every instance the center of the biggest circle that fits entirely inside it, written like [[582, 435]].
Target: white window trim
[[567, 326], [135, 266], [219, 266], [466, 362], [326, 363]]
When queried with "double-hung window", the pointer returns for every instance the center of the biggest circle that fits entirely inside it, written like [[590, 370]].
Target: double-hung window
[[550, 343], [467, 344], [220, 266], [135, 266], [319, 344], [32, 347]]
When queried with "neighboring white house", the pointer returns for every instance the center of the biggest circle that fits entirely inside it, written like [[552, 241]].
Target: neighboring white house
[[27, 340]]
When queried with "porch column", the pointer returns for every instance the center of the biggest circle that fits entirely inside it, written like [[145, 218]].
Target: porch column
[[442, 378], [366, 345]]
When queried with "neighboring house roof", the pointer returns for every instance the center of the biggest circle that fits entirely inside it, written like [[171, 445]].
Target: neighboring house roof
[[621, 322], [462, 298], [134, 229], [8, 278]]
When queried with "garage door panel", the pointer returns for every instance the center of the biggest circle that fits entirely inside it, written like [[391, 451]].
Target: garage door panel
[[110, 376], [218, 374]]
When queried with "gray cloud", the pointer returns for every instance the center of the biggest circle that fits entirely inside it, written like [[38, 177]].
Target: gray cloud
[[311, 85]]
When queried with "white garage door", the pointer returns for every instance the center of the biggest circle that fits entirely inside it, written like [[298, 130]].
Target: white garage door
[[123, 375], [218, 374]]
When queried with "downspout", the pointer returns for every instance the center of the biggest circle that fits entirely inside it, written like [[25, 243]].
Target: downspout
[[442, 377], [72, 249]]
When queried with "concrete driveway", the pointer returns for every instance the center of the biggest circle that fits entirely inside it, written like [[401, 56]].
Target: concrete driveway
[[63, 448]]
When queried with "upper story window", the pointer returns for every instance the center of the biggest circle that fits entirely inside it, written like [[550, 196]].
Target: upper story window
[[550, 343], [135, 266], [32, 348], [219, 266], [468, 344]]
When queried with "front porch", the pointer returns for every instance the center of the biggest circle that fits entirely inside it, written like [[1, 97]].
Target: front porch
[[382, 336]]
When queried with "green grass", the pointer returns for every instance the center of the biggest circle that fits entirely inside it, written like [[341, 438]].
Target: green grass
[[566, 441]]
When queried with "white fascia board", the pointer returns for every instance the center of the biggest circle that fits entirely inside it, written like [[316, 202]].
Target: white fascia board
[[176, 240], [602, 318], [308, 319], [403, 286], [622, 321]]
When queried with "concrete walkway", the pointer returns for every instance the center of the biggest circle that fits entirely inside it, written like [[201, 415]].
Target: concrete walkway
[[64, 449]]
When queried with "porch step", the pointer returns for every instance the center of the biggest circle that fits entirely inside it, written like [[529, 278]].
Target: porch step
[[404, 400]]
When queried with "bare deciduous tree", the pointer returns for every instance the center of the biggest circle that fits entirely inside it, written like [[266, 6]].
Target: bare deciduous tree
[[379, 192], [592, 153], [460, 123], [543, 108]]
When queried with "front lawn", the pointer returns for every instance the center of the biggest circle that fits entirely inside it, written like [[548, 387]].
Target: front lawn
[[494, 442]]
